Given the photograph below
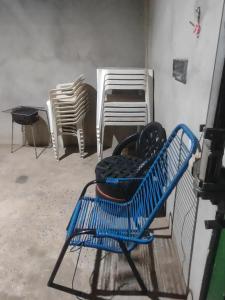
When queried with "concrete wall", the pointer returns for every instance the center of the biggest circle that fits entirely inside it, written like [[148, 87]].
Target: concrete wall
[[45, 42], [171, 36]]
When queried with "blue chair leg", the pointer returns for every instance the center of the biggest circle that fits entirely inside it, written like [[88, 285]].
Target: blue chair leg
[[82, 294], [63, 288], [133, 267]]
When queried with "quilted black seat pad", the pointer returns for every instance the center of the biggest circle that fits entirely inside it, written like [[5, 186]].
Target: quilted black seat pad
[[117, 166]]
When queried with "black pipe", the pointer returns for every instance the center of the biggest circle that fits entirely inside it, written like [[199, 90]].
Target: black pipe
[[213, 175], [216, 147], [211, 170], [211, 258]]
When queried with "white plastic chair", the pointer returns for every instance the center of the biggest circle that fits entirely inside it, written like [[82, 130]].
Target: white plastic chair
[[67, 106], [124, 112]]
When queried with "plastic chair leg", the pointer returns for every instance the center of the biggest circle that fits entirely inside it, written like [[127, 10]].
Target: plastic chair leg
[[57, 147], [98, 144], [102, 142], [53, 144], [80, 138]]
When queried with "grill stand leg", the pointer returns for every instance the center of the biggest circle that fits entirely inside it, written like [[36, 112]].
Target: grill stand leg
[[49, 130], [133, 267], [35, 149], [23, 135]]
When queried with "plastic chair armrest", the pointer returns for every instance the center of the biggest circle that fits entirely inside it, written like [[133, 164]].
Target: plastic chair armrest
[[55, 93], [60, 91], [61, 97], [67, 85], [130, 139]]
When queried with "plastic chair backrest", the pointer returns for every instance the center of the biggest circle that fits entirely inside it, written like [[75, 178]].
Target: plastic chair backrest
[[150, 141], [124, 81]]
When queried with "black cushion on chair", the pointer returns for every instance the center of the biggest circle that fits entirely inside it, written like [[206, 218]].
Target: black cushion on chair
[[117, 166], [149, 142], [25, 115]]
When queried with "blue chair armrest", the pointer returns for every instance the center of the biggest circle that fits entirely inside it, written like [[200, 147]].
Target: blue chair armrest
[[111, 180], [144, 240]]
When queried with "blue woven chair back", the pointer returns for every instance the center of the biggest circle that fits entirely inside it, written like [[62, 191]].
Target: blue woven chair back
[[162, 177], [130, 220]]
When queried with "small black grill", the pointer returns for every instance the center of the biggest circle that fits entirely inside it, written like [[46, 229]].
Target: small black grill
[[25, 115]]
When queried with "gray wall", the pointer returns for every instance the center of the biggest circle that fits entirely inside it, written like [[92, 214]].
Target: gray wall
[[45, 42], [171, 36]]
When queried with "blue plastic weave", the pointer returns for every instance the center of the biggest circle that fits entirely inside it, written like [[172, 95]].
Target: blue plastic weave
[[129, 221]]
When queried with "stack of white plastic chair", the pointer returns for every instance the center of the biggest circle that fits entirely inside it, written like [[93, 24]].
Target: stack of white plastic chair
[[68, 104], [131, 112]]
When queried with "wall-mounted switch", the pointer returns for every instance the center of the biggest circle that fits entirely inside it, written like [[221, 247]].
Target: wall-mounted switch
[[180, 69]]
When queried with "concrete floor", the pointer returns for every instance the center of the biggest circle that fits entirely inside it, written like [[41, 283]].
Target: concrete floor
[[37, 198]]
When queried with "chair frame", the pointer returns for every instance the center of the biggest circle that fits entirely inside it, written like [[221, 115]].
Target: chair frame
[[144, 235], [24, 138], [123, 247], [68, 104]]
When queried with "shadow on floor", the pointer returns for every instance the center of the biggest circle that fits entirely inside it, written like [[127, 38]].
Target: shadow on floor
[[69, 150], [157, 263]]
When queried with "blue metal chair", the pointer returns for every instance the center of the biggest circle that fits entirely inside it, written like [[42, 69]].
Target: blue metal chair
[[120, 227]]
